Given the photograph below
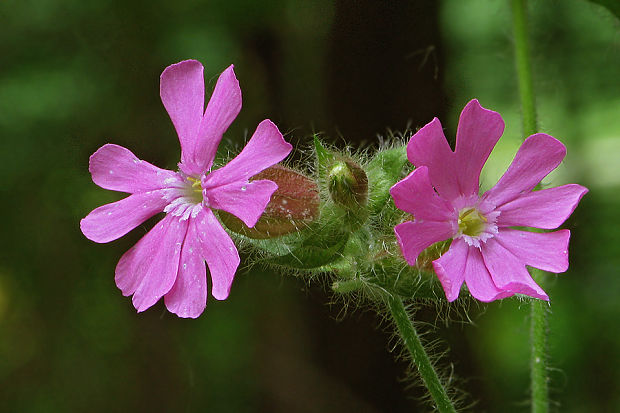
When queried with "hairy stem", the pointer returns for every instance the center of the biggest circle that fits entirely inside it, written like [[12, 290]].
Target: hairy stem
[[524, 66], [538, 362], [538, 328], [412, 342]]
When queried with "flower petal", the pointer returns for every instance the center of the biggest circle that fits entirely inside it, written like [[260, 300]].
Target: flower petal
[[429, 147], [415, 195], [182, 92], [545, 250], [536, 158], [222, 109], [149, 269], [478, 131], [546, 209], [112, 221], [246, 200], [266, 148], [450, 268], [219, 251], [478, 279], [118, 169], [188, 296], [132, 266], [508, 271], [414, 237]]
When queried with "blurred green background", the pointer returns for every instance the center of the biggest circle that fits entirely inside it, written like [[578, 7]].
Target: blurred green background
[[75, 75]]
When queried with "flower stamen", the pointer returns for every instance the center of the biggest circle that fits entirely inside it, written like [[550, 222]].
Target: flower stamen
[[471, 222], [195, 184]]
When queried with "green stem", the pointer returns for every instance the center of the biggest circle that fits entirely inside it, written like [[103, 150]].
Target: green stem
[[538, 328], [524, 66], [538, 361], [411, 339]]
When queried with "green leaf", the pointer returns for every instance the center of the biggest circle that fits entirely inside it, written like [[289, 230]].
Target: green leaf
[[392, 161], [323, 156], [612, 5], [384, 170], [312, 254]]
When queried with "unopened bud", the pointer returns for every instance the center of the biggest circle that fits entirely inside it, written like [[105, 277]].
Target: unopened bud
[[293, 206], [348, 184]]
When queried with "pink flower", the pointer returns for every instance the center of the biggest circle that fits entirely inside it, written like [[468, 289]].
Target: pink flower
[[169, 261], [486, 252]]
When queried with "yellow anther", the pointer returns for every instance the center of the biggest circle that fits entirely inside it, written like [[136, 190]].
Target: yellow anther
[[471, 222], [195, 184]]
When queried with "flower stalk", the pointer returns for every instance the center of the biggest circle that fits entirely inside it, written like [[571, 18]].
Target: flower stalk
[[538, 361], [524, 67], [538, 327], [414, 346]]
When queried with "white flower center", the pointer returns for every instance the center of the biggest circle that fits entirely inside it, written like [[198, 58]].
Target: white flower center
[[186, 199], [475, 226]]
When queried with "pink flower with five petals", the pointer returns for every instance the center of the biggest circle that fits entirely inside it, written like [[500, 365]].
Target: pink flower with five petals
[[169, 261], [442, 194]]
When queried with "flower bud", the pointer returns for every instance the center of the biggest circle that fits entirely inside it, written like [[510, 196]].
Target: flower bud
[[293, 206], [348, 184]]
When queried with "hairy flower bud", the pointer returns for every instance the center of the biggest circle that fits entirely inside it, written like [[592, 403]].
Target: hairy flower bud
[[348, 184], [293, 206]]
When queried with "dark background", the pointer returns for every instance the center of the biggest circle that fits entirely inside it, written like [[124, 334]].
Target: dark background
[[75, 75]]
